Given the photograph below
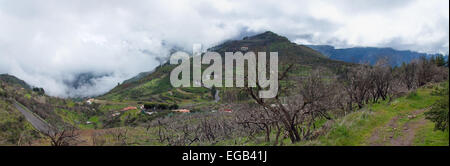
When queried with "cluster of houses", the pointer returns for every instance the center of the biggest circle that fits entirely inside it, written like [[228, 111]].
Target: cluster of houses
[[147, 111], [123, 110], [152, 111]]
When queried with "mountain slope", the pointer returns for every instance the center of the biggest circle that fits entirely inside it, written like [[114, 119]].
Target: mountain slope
[[14, 128], [14, 80], [53, 110], [369, 54], [271, 42], [137, 77], [156, 85]]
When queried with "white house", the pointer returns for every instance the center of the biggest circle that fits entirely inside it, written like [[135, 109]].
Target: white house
[[90, 101]]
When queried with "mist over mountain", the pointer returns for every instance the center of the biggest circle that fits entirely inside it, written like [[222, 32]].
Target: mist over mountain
[[50, 43], [81, 84], [370, 54], [155, 85]]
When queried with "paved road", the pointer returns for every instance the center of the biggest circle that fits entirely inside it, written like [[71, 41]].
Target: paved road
[[33, 119]]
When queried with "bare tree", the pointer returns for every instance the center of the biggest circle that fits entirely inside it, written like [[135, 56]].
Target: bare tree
[[357, 84], [259, 117], [182, 130], [98, 139], [426, 71], [381, 77], [322, 98], [409, 75], [296, 113], [120, 135], [68, 135]]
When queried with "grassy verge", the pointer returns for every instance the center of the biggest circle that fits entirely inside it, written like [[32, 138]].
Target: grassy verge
[[358, 128]]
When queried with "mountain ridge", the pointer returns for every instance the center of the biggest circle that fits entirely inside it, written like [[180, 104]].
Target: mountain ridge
[[155, 85], [370, 54], [10, 79]]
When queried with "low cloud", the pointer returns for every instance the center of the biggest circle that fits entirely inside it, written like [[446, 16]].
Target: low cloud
[[50, 43]]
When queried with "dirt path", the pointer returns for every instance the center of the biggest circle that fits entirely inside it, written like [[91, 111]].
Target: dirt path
[[392, 134], [408, 133], [380, 135]]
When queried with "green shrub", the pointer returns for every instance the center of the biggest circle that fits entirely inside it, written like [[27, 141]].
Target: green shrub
[[2, 93], [161, 106], [150, 105], [439, 111], [413, 96], [173, 106], [39, 91]]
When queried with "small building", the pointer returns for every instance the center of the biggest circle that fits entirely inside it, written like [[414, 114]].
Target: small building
[[227, 110], [90, 101], [149, 113], [116, 114], [182, 111], [129, 108], [244, 48]]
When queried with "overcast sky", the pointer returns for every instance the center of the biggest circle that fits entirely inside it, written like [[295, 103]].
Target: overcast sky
[[49, 42]]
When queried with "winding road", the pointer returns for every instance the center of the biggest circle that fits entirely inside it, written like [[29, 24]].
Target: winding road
[[36, 121]]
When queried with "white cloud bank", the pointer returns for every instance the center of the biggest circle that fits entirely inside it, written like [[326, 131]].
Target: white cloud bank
[[50, 42]]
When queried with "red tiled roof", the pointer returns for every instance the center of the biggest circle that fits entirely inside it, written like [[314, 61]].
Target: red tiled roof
[[129, 108], [183, 110]]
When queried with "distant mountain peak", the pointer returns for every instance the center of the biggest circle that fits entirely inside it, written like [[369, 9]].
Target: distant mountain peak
[[267, 36], [250, 42]]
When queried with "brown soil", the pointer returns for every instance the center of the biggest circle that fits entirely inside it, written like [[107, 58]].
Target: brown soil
[[405, 134]]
